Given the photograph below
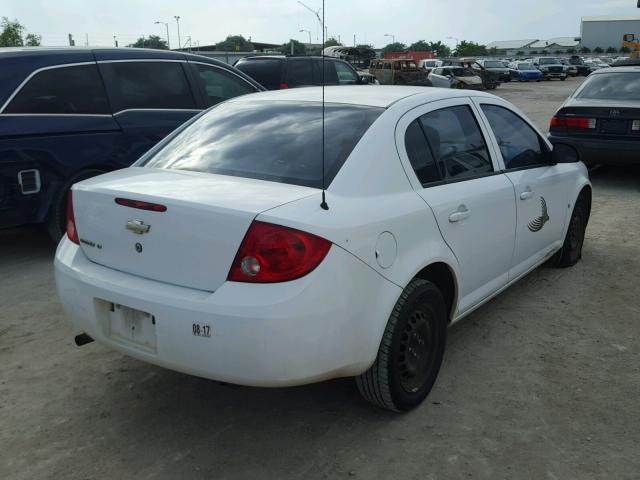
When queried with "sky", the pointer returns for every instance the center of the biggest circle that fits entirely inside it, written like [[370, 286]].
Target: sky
[[276, 21]]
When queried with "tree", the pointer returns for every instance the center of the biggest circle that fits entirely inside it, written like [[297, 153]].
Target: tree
[[557, 52], [585, 50], [467, 48], [534, 52], [395, 47], [420, 46], [298, 48], [364, 45], [625, 50], [332, 42], [152, 41], [611, 50], [235, 43], [11, 35], [572, 51], [545, 52], [598, 50], [440, 49], [520, 53], [32, 40]]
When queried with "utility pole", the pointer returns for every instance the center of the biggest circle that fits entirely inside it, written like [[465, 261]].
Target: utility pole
[[167, 27], [177, 17], [317, 15], [115, 41], [86, 35], [309, 32]]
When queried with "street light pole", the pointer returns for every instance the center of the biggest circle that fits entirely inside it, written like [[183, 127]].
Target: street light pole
[[456, 39], [309, 32], [177, 17], [167, 27], [393, 37]]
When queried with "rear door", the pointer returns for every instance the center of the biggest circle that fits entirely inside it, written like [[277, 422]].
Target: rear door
[[541, 188], [459, 179], [149, 98]]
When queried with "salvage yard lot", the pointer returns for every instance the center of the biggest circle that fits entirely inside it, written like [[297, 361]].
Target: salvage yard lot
[[542, 382]]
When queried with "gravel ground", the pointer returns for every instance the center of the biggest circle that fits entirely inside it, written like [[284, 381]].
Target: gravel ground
[[543, 382]]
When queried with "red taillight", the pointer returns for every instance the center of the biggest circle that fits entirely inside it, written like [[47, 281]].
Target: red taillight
[[284, 86], [152, 207], [72, 233], [273, 253], [573, 122]]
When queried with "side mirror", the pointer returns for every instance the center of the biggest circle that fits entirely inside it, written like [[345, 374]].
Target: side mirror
[[364, 80], [563, 153]]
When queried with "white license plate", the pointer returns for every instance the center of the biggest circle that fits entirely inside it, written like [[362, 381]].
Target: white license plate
[[201, 330]]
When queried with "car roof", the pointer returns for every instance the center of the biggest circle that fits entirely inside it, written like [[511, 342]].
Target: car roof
[[614, 69], [373, 96]]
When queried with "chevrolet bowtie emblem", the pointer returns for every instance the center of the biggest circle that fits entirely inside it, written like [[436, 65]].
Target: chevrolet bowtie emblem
[[138, 227]]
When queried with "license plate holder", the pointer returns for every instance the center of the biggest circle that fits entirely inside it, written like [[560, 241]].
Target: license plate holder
[[128, 326], [614, 126]]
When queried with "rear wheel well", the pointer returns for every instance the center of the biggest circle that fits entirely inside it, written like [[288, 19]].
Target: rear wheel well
[[586, 195], [442, 277]]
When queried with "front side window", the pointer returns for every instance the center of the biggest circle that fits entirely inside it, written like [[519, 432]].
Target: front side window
[[74, 90], [457, 142], [519, 144], [275, 141], [346, 75], [155, 85], [219, 85]]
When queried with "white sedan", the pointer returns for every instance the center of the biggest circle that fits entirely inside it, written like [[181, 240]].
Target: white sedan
[[214, 255]]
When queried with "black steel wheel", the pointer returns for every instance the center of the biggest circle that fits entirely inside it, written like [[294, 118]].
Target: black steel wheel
[[571, 251], [411, 350]]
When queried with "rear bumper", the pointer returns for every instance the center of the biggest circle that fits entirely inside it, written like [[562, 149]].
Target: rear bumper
[[325, 325], [603, 151]]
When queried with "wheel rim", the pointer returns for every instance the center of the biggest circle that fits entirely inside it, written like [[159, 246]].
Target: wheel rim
[[417, 349]]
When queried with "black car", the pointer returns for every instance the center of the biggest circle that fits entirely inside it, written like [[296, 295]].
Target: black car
[[602, 118], [70, 114], [497, 68], [278, 72], [579, 64]]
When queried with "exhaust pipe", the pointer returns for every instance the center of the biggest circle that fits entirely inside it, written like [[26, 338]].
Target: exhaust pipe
[[83, 339]]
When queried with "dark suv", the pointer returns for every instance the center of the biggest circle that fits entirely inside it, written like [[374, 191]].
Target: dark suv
[[70, 114], [277, 72]]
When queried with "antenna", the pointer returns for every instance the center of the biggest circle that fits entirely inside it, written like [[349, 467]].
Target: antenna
[[324, 204]]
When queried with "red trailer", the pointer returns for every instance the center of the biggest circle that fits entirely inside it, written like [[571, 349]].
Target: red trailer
[[415, 56]]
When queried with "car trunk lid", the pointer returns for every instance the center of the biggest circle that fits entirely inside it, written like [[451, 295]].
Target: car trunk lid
[[193, 242]]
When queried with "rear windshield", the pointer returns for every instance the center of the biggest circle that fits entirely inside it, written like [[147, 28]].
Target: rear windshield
[[494, 65], [267, 72], [462, 72], [612, 86], [549, 61], [276, 141]]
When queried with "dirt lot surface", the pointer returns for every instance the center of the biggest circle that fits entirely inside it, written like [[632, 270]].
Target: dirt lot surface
[[541, 383]]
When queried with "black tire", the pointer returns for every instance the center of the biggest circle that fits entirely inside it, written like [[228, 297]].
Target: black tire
[[56, 222], [411, 350], [571, 251], [563, 78]]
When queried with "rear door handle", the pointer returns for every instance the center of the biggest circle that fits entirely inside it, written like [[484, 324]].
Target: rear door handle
[[461, 214], [527, 194]]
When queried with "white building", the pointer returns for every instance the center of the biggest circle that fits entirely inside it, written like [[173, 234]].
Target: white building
[[512, 48], [605, 32]]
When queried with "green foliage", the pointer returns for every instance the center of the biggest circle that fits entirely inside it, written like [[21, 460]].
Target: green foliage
[[363, 45], [611, 50], [534, 52], [440, 49], [585, 50], [395, 47], [332, 42], [557, 52], [235, 43], [572, 51], [298, 48], [152, 41], [520, 53], [598, 50], [544, 52], [420, 46], [467, 48], [625, 50], [11, 35], [32, 40]]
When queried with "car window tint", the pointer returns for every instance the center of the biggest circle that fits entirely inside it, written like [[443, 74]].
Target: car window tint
[[519, 144], [457, 142], [219, 85], [420, 154], [147, 85], [299, 72], [346, 75], [267, 72], [64, 90], [612, 86], [276, 141], [330, 75]]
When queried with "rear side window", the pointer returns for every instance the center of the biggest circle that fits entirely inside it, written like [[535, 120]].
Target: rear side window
[[219, 85], [267, 72], [330, 74], [300, 72], [275, 141], [420, 154], [457, 142], [62, 90], [156, 85]]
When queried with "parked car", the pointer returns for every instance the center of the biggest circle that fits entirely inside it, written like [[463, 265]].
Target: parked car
[[525, 72], [551, 68], [592, 65], [70, 114], [275, 72], [496, 67], [398, 72], [602, 117], [219, 255], [455, 77], [490, 80], [572, 70], [577, 62], [429, 64]]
